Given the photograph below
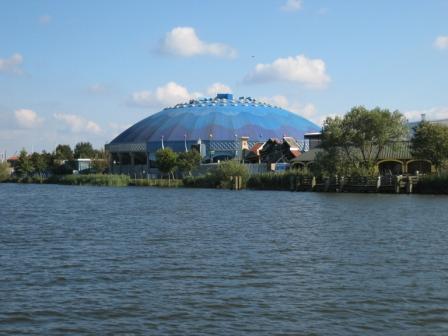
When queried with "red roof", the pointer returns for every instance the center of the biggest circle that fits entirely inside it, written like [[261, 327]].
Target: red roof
[[295, 152], [13, 158], [256, 147]]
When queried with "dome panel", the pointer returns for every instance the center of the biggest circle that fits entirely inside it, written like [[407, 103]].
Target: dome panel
[[221, 118]]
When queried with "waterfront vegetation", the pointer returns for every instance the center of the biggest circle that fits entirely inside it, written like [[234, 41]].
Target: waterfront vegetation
[[171, 183], [220, 176], [352, 144], [433, 184], [274, 181], [91, 179], [4, 171]]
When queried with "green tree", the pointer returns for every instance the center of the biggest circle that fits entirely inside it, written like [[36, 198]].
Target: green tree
[[39, 163], [166, 161], [356, 140], [430, 142], [187, 161], [24, 165], [63, 152], [101, 161], [84, 150], [5, 171]]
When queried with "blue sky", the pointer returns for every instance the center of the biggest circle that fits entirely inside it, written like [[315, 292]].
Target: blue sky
[[75, 71]]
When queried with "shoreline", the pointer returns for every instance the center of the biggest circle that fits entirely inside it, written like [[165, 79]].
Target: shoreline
[[432, 185]]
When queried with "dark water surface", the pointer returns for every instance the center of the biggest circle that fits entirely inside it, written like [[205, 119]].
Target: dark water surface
[[148, 261]]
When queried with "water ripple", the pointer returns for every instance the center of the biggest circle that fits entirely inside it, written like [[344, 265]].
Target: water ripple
[[139, 261]]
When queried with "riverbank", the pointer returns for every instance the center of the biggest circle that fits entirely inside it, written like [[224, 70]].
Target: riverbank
[[287, 181], [99, 180]]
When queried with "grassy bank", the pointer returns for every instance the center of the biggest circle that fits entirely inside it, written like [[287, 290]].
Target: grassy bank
[[273, 181], [91, 179], [156, 183], [98, 180]]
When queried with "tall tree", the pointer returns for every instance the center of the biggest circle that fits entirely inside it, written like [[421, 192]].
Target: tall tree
[[362, 134], [39, 162], [84, 150], [24, 165], [187, 161], [63, 152], [166, 161], [5, 171], [101, 161], [430, 142]]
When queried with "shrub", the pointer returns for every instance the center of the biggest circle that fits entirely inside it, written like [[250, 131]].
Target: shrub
[[274, 181], [433, 184], [92, 179]]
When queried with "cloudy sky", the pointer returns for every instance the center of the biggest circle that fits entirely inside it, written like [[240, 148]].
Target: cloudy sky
[[75, 71]]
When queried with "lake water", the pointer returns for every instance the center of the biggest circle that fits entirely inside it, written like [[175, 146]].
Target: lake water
[[149, 261]]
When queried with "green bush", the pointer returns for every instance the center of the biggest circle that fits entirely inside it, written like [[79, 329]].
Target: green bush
[[274, 181], [5, 171], [226, 170], [433, 184], [156, 183], [92, 179], [205, 181]]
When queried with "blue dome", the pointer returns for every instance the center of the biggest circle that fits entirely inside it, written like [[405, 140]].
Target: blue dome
[[220, 118]]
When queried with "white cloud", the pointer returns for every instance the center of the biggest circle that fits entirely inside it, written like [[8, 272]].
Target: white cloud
[[44, 19], [167, 95], [441, 42], [183, 41], [78, 124], [292, 5], [12, 64], [307, 111], [435, 113], [27, 118], [97, 88], [215, 88], [300, 69]]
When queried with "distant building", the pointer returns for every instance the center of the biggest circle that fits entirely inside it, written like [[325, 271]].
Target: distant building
[[224, 126]]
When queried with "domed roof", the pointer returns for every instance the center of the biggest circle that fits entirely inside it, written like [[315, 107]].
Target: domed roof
[[222, 117]]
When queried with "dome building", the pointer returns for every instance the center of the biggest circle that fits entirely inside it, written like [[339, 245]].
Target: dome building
[[216, 126]]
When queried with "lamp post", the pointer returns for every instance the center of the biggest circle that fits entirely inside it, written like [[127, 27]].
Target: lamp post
[[236, 146], [210, 145]]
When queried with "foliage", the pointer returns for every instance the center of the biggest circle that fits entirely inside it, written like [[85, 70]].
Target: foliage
[[433, 184], [430, 142], [355, 141], [101, 162], [24, 165], [156, 183], [187, 161], [166, 160], [63, 152], [84, 150], [92, 179], [273, 181], [39, 162], [5, 171], [220, 176], [227, 169], [205, 181]]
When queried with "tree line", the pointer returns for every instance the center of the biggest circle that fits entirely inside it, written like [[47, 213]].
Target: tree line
[[352, 144], [58, 161], [169, 161]]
